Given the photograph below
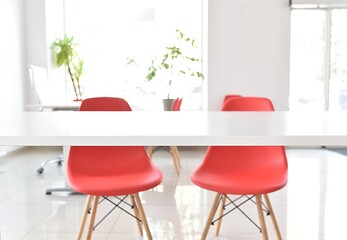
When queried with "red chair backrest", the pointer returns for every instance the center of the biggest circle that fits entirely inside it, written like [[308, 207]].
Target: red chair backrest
[[101, 160], [105, 104], [248, 104], [176, 106], [226, 97], [271, 159]]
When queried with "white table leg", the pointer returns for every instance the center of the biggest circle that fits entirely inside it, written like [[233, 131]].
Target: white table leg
[[64, 188]]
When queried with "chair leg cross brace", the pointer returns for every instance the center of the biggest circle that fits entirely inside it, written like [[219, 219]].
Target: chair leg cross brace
[[117, 205], [220, 201], [236, 206], [91, 207]]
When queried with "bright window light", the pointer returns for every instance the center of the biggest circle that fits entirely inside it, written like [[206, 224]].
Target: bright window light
[[118, 40]]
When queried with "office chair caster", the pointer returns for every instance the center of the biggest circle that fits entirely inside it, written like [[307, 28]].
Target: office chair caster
[[40, 170], [59, 160]]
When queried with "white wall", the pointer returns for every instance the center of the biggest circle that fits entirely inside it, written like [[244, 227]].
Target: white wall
[[11, 56], [248, 42], [35, 29]]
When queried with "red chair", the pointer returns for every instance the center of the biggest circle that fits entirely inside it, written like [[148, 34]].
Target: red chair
[[101, 171], [243, 170], [226, 97], [176, 106]]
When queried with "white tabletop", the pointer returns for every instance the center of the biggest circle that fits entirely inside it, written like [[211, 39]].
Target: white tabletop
[[70, 106], [173, 128]]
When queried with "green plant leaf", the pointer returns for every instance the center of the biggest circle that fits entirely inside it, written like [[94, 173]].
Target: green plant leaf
[[176, 60], [200, 75], [64, 54]]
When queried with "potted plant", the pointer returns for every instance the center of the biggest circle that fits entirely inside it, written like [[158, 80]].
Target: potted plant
[[178, 61], [65, 54]]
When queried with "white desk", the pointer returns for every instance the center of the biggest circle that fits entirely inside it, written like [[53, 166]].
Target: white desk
[[72, 106], [173, 128]]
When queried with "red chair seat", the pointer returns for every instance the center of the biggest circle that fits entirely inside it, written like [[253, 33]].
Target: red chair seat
[[240, 183], [118, 170], [103, 185], [231, 176]]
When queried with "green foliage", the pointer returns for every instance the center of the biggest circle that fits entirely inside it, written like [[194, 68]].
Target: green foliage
[[65, 54], [176, 61]]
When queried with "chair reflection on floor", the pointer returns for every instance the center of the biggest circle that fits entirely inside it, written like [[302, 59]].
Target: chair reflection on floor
[[166, 193]]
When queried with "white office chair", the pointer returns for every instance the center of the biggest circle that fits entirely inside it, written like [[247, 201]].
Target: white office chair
[[39, 84], [40, 88]]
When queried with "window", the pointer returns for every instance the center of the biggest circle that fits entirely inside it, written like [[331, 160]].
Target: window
[[118, 40], [338, 61], [318, 71]]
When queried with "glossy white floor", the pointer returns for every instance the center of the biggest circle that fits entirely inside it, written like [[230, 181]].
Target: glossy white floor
[[312, 206]]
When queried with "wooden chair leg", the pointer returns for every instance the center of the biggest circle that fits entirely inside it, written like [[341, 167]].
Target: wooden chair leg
[[178, 156], [92, 217], [221, 211], [261, 217], [150, 150], [273, 218], [137, 214], [84, 217], [210, 217], [143, 216], [175, 160]]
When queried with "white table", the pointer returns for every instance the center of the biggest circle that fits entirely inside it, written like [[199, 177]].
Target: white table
[[71, 106], [182, 128], [173, 128]]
